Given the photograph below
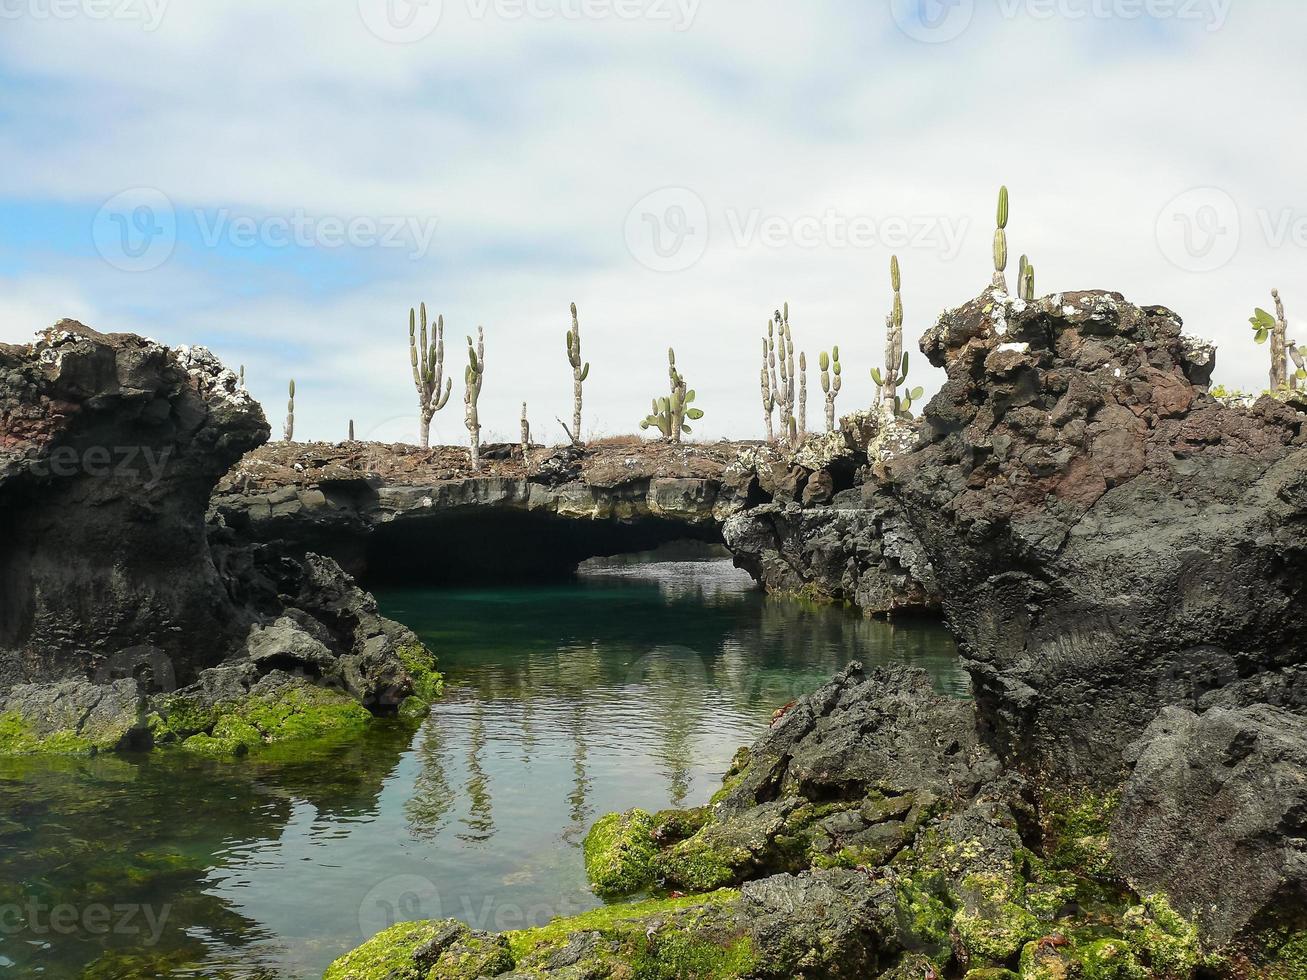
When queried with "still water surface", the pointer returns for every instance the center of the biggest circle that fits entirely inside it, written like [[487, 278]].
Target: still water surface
[[632, 686]]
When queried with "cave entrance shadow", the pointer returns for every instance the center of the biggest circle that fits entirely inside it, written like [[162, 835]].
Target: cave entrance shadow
[[498, 547]]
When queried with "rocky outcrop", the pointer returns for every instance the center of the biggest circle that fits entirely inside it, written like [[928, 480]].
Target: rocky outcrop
[[1215, 814], [115, 592], [1106, 538], [394, 513], [867, 834], [109, 448], [817, 524]]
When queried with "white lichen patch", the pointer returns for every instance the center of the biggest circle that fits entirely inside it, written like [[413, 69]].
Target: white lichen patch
[[1013, 348]]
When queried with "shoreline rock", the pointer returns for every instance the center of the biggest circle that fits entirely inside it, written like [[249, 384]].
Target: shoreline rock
[[115, 592]]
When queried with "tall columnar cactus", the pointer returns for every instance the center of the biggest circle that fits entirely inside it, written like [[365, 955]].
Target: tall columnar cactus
[[780, 369], [768, 401], [351, 430], [526, 441], [830, 383], [242, 378], [472, 376], [1276, 328], [896, 358], [670, 413], [580, 372], [803, 396], [1000, 242], [428, 363], [288, 430], [1026, 280]]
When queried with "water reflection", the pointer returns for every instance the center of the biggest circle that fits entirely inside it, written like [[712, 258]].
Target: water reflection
[[632, 686]]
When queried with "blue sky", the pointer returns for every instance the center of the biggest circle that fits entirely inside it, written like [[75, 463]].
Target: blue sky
[[679, 168]]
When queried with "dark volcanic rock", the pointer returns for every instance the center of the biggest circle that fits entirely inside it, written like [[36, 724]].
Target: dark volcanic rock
[[1215, 814], [109, 448], [1107, 538], [113, 589], [818, 524]]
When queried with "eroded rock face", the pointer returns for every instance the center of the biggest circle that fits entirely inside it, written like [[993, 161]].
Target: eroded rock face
[[109, 448], [115, 592], [819, 524], [1215, 814], [1107, 539]]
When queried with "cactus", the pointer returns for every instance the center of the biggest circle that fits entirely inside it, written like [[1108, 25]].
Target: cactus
[[1276, 328], [288, 430], [830, 382], [428, 363], [351, 430], [526, 441], [768, 402], [1026, 280], [579, 373], [1000, 242], [896, 358], [242, 379], [472, 376], [803, 396], [670, 413], [780, 371]]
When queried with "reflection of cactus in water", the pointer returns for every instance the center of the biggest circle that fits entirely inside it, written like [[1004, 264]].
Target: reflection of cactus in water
[[578, 799], [480, 820], [426, 809]]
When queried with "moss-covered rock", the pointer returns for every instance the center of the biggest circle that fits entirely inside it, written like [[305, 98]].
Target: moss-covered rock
[[1110, 959], [236, 727], [1077, 831], [18, 737], [428, 684], [401, 952], [619, 851], [1168, 942]]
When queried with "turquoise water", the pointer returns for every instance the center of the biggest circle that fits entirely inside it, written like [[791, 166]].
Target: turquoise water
[[632, 686]]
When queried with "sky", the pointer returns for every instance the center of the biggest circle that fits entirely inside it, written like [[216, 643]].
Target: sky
[[282, 182]]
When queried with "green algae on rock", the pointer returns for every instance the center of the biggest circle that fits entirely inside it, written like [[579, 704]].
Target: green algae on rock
[[236, 727], [17, 737], [618, 851]]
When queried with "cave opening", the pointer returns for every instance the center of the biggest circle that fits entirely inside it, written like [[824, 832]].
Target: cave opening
[[511, 546]]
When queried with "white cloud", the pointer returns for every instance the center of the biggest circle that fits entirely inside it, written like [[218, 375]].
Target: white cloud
[[531, 140]]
